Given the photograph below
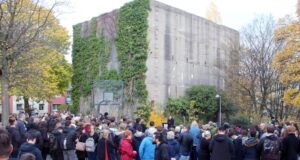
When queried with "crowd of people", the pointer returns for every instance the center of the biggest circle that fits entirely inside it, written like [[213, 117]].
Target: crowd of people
[[61, 136]]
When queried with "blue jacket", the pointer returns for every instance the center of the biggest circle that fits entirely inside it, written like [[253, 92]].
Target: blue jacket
[[21, 126], [30, 148], [195, 132], [147, 149], [249, 149], [173, 148]]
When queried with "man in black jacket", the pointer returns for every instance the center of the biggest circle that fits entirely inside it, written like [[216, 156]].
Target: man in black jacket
[[161, 150], [14, 136], [270, 146], [186, 143], [21, 126], [29, 146], [55, 138], [290, 145], [221, 147], [69, 142], [5, 145]]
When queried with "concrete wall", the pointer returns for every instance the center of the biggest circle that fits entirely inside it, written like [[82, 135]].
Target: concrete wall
[[185, 50]]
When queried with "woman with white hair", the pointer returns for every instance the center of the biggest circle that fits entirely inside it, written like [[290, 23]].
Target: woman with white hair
[[173, 146], [204, 146]]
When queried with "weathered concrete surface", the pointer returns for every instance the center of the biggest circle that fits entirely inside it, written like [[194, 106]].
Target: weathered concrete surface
[[185, 50]]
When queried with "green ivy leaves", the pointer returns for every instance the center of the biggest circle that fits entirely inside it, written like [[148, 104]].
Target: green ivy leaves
[[132, 46], [91, 54]]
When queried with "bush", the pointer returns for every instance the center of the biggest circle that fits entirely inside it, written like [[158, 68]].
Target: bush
[[240, 120]]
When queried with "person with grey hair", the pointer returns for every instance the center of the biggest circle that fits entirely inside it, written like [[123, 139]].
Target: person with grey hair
[[147, 148], [204, 146], [173, 146]]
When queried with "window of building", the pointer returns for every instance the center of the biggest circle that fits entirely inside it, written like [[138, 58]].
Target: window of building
[[19, 107], [41, 106], [55, 106]]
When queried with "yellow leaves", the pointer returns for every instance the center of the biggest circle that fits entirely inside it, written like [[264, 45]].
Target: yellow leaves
[[157, 117], [292, 97], [287, 61], [213, 14]]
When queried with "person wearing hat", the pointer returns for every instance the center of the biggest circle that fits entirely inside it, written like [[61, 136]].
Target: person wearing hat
[[221, 147], [126, 150]]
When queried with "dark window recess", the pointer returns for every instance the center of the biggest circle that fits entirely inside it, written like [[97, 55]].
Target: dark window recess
[[41, 106], [19, 107]]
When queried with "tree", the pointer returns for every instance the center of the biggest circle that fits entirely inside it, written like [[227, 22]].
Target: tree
[[258, 82], [23, 26], [200, 103], [213, 14], [287, 60]]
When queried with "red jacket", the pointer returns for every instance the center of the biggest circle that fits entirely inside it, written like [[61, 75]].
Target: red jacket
[[126, 150]]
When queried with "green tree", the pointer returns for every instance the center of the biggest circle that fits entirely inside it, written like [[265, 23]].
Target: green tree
[[24, 26], [200, 103], [178, 108]]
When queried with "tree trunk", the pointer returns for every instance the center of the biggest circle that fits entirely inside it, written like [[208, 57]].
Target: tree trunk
[[26, 105], [4, 88]]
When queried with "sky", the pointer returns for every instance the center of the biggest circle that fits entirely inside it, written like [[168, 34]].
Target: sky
[[234, 13]]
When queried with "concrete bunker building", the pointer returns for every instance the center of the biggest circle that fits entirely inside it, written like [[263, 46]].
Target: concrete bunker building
[[184, 50]]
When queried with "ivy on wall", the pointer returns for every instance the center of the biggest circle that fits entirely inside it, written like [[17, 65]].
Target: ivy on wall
[[132, 47], [91, 54]]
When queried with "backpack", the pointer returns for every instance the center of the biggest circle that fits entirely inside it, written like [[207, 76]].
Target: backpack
[[65, 143], [271, 148], [90, 145], [53, 143]]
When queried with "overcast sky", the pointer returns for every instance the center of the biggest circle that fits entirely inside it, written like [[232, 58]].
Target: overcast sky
[[234, 13]]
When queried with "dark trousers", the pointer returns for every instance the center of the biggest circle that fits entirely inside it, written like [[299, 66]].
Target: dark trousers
[[194, 153]]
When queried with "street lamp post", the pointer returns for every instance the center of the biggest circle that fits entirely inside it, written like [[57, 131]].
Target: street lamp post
[[220, 110]]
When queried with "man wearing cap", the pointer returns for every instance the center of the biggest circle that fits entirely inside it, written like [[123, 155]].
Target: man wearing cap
[[221, 147]]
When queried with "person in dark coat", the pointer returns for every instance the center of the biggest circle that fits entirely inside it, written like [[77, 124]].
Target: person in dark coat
[[186, 143], [137, 140], [269, 147], [173, 145], [237, 143], [14, 136], [204, 153], [29, 146], [221, 147], [57, 154], [5, 144], [69, 141], [161, 150], [249, 151], [21, 126], [290, 145], [171, 123], [44, 132], [34, 128], [105, 149]]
